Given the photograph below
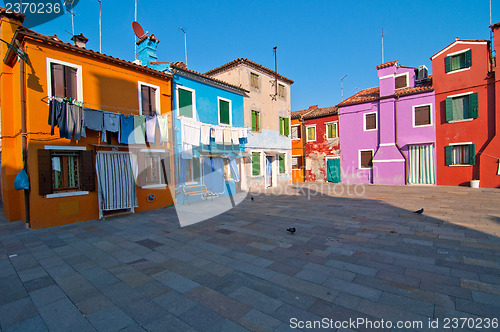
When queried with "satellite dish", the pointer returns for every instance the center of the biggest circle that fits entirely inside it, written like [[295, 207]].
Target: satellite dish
[[138, 30]]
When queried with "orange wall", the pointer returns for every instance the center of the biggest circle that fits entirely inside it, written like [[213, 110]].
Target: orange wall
[[297, 150], [108, 86]]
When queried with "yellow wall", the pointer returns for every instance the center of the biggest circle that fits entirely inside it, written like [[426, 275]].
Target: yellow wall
[[107, 86]]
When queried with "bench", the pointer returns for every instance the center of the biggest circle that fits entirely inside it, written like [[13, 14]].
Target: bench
[[197, 189]]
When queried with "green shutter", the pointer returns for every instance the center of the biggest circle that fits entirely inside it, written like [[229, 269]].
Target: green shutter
[[255, 163], [447, 64], [185, 103], [449, 109], [468, 58], [257, 122], [282, 163], [224, 111], [196, 169], [254, 116], [473, 106], [472, 154], [449, 155], [287, 126], [281, 126]]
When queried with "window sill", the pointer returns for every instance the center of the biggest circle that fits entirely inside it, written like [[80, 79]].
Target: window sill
[[151, 186], [331, 138], [375, 129], [425, 125], [458, 70], [67, 194], [465, 165], [462, 120]]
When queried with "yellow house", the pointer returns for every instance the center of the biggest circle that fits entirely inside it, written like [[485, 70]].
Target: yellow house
[[79, 168]]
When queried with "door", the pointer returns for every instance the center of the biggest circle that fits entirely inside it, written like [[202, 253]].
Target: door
[[269, 171], [422, 164], [333, 170]]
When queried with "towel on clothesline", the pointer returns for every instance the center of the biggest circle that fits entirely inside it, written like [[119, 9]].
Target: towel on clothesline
[[205, 133], [139, 129], [163, 126], [219, 135], [190, 131], [151, 129], [126, 135], [235, 136], [227, 136]]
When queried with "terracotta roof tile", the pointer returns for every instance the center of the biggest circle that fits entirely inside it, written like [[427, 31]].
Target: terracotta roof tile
[[250, 64], [387, 64], [315, 112], [298, 114], [19, 16]]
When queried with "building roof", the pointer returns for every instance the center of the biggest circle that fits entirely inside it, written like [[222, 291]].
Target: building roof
[[298, 114], [245, 61], [180, 66], [315, 112], [10, 13], [495, 25], [372, 94], [24, 32], [387, 64], [461, 41]]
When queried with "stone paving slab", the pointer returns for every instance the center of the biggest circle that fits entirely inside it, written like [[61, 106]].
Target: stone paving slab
[[353, 256]]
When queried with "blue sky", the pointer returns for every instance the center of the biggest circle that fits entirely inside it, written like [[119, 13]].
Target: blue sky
[[319, 41]]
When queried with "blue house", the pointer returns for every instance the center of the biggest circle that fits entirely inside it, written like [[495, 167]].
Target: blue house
[[209, 133]]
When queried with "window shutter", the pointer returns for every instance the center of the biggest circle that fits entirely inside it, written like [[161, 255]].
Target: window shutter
[[57, 80], [473, 106], [449, 109], [447, 64], [141, 169], [196, 169], [282, 163], [224, 111], [449, 155], [468, 58], [281, 126], [255, 163], [164, 161], [254, 117], [472, 154], [185, 103], [287, 126], [257, 121], [44, 172], [145, 100], [87, 170], [71, 88]]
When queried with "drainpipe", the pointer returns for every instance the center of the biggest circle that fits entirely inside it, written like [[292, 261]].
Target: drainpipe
[[396, 137], [24, 136]]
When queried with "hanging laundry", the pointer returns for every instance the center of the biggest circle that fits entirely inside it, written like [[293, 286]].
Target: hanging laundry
[[72, 122], [111, 123], [242, 132], [139, 129], [126, 129], [235, 136], [151, 129], [163, 126], [93, 120], [227, 136], [187, 151], [213, 174], [219, 135], [205, 133], [190, 131], [56, 108], [234, 168]]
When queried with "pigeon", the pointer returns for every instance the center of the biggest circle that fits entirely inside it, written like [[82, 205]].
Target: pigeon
[[291, 230], [419, 211], [251, 197]]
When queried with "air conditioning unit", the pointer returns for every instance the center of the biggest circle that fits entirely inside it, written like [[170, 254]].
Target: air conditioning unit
[[422, 73]]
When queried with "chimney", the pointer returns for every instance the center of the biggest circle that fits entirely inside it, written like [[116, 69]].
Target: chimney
[[79, 40], [146, 50]]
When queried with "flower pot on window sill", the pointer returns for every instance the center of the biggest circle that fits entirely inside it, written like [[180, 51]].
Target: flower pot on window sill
[[474, 183]]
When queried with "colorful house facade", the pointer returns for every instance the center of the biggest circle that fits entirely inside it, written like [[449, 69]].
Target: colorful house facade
[[267, 110], [75, 121], [389, 135], [297, 134], [464, 83], [489, 166]]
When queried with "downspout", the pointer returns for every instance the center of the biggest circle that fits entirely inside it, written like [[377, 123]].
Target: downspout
[[396, 137], [24, 137]]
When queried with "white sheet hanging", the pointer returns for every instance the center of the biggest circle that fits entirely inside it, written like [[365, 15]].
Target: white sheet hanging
[[205, 133]]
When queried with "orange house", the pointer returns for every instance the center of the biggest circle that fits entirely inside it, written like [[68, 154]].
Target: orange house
[[298, 145], [79, 178]]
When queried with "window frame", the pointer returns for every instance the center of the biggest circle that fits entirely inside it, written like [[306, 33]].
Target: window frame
[[307, 134], [364, 121], [283, 96], [193, 100], [359, 158], [291, 132], [157, 96], [453, 145], [414, 107], [148, 153], [284, 130], [79, 77], [407, 80], [257, 76], [451, 55], [459, 96], [230, 111], [336, 123], [298, 162], [190, 161]]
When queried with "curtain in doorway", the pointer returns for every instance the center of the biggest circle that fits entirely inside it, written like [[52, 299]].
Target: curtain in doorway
[[422, 169], [213, 174]]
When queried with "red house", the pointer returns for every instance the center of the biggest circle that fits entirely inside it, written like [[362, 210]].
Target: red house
[[322, 148], [465, 113]]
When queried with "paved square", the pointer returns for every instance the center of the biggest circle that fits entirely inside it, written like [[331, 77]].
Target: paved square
[[358, 252]]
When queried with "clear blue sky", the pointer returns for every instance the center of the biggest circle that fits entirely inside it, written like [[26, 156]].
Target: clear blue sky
[[319, 41]]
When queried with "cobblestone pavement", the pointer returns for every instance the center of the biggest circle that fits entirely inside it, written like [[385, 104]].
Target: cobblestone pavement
[[358, 252]]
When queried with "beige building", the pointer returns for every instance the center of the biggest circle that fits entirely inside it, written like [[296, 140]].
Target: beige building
[[267, 112]]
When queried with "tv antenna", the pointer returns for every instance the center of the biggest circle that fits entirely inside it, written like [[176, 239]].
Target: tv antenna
[[185, 46], [275, 51], [100, 44], [383, 45], [70, 10]]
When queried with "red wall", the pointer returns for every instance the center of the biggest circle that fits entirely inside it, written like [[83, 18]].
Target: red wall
[[479, 131], [317, 150]]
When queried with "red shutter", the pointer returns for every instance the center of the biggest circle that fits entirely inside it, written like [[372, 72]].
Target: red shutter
[[44, 172], [87, 171]]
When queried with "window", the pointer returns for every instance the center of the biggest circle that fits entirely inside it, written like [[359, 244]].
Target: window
[[460, 154], [281, 90], [331, 130], [255, 121], [370, 121], [296, 162], [422, 115], [64, 79], [284, 124], [366, 159], [458, 61], [153, 170], [149, 99], [461, 107], [401, 81], [281, 163], [296, 132], [65, 170], [255, 163], [254, 80], [311, 133], [186, 103], [192, 170], [224, 111], [228, 175]]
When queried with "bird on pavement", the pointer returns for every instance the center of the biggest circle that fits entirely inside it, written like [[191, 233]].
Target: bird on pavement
[[419, 211], [251, 197], [291, 230]]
